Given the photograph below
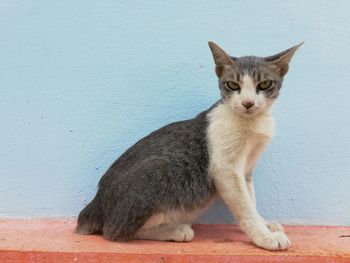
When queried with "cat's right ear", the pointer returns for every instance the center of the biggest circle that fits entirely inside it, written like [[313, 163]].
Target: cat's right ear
[[220, 57]]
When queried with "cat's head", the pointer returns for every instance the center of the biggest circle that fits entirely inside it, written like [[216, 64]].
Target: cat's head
[[250, 85]]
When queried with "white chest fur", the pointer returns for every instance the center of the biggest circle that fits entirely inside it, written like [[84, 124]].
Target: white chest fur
[[236, 142]]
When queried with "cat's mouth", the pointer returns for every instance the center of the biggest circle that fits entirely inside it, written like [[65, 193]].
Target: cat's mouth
[[248, 112]]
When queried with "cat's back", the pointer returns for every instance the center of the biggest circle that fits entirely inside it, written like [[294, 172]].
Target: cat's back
[[179, 143]]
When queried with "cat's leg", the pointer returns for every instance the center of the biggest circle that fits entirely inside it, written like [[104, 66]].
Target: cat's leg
[[173, 225], [272, 225], [167, 232], [231, 185], [250, 186]]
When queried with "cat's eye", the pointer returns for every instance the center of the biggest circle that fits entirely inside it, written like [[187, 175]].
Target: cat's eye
[[232, 85], [264, 85]]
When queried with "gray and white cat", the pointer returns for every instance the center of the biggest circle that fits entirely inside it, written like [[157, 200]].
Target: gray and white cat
[[163, 182]]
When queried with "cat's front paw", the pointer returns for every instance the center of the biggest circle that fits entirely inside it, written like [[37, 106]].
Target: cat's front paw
[[274, 226], [273, 241]]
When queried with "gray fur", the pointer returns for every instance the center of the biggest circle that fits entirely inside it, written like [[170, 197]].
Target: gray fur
[[165, 170]]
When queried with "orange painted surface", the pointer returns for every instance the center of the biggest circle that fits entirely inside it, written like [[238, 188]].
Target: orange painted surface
[[54, 241]]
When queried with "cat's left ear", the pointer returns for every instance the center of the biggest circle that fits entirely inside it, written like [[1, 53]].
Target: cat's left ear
[[280, 61], [221, 58]]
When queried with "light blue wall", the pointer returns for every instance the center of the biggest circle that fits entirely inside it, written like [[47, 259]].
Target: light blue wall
[[81, 81]]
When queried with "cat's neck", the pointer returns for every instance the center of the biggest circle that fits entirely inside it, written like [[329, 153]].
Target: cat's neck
[[224, 118]]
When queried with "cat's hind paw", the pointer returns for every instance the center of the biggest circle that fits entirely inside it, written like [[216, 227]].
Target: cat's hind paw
[[183, 233]]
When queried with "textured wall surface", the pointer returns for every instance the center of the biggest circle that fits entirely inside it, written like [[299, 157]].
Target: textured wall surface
[[81, 81]]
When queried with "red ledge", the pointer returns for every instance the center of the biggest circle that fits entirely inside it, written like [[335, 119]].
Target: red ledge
[[53, 240]]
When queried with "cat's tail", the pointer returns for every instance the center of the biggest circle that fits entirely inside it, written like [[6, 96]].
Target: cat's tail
[[90, 220]]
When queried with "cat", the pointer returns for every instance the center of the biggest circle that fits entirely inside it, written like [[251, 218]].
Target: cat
[[161, 184]]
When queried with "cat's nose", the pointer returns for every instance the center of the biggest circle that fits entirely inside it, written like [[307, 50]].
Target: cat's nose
[[248, 104]]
